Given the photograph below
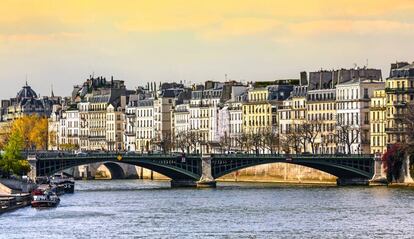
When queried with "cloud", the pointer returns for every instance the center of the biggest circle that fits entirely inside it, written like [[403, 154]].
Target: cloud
[[208, 20], [239, 27], [166, 24], [45, 28], [28, 37], [359, 27]]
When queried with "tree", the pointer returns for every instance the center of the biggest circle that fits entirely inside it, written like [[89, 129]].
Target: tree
[[392, 161], [243, 141], [271, 140], [12, 160], [14, 146], [347, 135], [256, 141], [310, 132], [165, 144], [284, 144], [5, 131], [183, 141], [225, 142], [34, 130], [294, 139]]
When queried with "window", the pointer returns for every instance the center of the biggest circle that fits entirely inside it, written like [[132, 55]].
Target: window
[[366, 93]]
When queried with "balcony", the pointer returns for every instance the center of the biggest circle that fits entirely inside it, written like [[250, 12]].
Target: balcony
[[130, 115], [378, 107], [400, 103], [394, 130], [399, 90], [129, 133], [398, 116]]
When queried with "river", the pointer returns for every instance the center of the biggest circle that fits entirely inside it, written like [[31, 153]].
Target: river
[[141, 209]]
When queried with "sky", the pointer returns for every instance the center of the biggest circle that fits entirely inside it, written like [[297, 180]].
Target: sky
[[61, 43]]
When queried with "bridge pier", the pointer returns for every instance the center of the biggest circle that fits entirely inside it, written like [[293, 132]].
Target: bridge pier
[[33, 168], [206, 180], [379, 178]]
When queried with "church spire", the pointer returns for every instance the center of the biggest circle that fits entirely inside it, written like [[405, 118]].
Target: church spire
[[52, 94]]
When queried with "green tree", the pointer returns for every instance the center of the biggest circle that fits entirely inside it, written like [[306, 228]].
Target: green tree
[[12, 160]]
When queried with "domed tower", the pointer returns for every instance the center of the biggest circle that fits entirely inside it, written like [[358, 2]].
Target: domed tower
[[26, 93]]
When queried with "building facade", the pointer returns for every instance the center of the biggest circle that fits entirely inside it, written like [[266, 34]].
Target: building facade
[[399, 92], [352, 103], [378, 122]]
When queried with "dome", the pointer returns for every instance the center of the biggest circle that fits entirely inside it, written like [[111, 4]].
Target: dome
[[26, 92]]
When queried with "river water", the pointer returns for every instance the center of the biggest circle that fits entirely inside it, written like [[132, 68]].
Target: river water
[[150, 209]]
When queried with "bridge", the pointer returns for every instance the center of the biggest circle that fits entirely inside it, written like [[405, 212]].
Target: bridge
[[203, 170]]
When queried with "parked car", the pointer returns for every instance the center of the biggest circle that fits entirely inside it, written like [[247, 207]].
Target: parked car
[[81, 154], [130, 153]]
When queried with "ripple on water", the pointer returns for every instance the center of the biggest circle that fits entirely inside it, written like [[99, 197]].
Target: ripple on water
[[140, 209]]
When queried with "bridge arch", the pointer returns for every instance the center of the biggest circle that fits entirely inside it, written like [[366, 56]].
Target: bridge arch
[[115, 170], [346, 169]]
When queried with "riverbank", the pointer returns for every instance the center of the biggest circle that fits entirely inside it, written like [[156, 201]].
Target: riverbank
[[14, 194]]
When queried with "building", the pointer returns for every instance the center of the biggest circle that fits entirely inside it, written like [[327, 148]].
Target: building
[[181, 119], [353, 99], [298, 109], [72, 127], [27, 102], [92, 118], [378, 109], [399, 91], [130, 118], [114, 128], [145, 125], [291, 117], [257, 109], [321, 113], [205, 104], [235, 110], [324, 79], [53, 128]]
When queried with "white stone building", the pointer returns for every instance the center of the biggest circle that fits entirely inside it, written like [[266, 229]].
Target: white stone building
[[145, 125], [130, 132], [352, 104]]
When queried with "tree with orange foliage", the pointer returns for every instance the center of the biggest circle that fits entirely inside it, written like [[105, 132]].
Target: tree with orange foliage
[[34, 130]]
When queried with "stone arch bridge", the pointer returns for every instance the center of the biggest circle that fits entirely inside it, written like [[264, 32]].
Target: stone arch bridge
[[191, 170]]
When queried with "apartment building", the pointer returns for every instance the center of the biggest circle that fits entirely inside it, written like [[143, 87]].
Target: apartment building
[[399, 92], [378, 109], [321, 113], [352, 103]]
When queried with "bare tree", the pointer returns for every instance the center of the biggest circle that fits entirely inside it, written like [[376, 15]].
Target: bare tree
[[193, 139], [271, 140], [225, 142], [256, 141], [347, 135], [285, 144], [183, 142], [243, 141], [310, 132], [294, 140], [165, 144]]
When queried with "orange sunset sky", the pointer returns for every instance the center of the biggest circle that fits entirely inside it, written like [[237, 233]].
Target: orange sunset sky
[[62, 42]]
